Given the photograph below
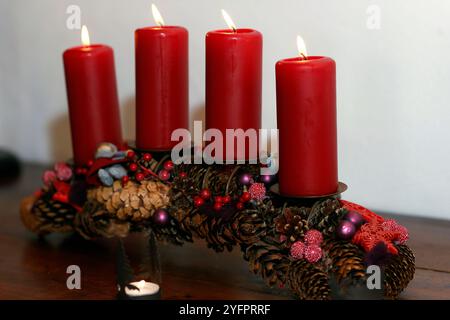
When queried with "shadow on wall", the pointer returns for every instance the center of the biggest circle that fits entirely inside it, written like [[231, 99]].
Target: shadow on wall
[[128, 117], [59, 131], [197, 114], [59, 138], [59, 128]]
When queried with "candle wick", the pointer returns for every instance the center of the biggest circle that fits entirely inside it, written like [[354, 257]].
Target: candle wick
[[303, 56]]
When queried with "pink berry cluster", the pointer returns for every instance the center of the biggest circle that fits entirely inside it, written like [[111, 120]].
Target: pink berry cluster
[[61, 171], [257, 191], [310, 248]]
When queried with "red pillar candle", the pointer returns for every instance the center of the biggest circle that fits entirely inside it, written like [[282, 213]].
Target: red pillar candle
[[306, 115], [162, 96], [233, 81], [92, 98]]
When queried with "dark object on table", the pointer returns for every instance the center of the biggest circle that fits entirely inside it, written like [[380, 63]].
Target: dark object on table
[[9, 167], [150, 269]]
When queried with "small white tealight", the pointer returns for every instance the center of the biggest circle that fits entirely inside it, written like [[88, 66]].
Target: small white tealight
[[147, 290]]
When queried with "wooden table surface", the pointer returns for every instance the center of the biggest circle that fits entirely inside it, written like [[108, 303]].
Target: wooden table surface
[[32, 268]]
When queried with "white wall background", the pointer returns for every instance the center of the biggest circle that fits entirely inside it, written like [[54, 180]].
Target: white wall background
[[393, 83]]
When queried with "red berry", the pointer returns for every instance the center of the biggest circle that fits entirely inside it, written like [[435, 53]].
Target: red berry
[[218, 199], [90, 163], [164, 175], [217, 206], [245, 196], [183, 175], [125, 180], [239, 205], [140, 176], [168, 165], [147, 157], [84, 171], [133, 167], [226, 199], [130, 154], [198, 201], [205, 194], [79, 171]]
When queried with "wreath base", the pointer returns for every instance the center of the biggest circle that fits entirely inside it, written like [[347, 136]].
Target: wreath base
[[264, 227]]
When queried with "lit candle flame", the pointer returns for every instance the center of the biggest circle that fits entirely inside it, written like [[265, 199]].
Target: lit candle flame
[[228, 20], [301, 48], [85, 36], [157, 16], [141, 284]]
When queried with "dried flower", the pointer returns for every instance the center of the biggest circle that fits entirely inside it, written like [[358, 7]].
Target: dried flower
[[63, 171], [48, 177]]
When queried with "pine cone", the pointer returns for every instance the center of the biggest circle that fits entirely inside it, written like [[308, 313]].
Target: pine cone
[[205, 225], [308, 281], [94, 222], [132, 202], [193, 182], [218, 231], [42, 215], [269, 212], [346, 261], [292, 224], [266, 258], [219, 179], [216, 179], [325, 216], [172, 231], [399, 272], [248, 227]]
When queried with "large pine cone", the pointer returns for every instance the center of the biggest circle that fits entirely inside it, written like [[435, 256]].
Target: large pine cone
[[346, 261], [308, 281], [43, 216], [266, 258], [132, 202], [216, 230], [325, 216], [399, 272], [292, 224]]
